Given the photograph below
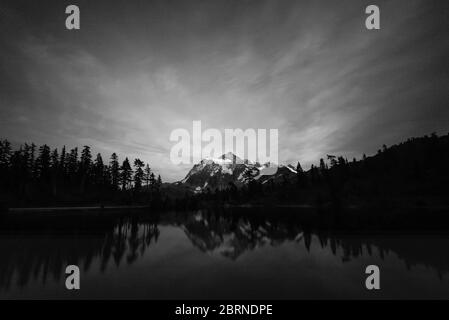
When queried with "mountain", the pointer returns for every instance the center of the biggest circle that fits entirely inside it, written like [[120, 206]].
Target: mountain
[[220, 173]]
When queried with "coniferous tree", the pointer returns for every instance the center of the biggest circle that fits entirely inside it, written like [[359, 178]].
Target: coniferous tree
[[15, 167], [54, 160], [86, 158], [114, 171], [72, 165], [62, 162], [54, 164], [33, 164], [107, 176], [5, 154], [28, 164], [152, 182], [53, 174], [147, 174], [43, 163], [98, 171], [85, 167], [126, 174], [138, 174]]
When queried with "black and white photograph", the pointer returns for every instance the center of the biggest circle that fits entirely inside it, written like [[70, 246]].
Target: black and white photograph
[[216, 150]]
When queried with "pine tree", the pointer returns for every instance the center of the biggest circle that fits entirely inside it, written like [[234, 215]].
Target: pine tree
[[33, 164], [5, 154], [43, 163], [114, 171], [126, 174], [54, 164], [28, 163], [86, 164], [107, 175], [152, 182], [72, 164], [54, 161], [99, 171], [147, 174], [85, 169], [62, 161], [138, 174]]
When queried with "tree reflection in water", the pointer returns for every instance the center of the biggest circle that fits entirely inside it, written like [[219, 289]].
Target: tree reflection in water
[[117, 241]]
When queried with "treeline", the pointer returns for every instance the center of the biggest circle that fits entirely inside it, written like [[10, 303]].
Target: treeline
[[414, 173], [31, 175]]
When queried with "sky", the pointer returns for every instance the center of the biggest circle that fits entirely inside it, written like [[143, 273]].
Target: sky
[[137, 70]]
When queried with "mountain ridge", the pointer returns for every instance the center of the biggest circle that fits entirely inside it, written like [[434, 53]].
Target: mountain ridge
[[229, 169]]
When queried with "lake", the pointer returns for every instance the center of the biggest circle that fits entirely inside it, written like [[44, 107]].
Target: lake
[[215, 255]]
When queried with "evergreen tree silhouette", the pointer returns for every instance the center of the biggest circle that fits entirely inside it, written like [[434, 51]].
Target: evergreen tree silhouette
[[85, 168], [54, 160], [72, 165], [147, 174], [115, 171], [5, 154], [43, 163], [54, 164], [98, 171], [152, 182], [62, 162], [138, 174], [33, 165], [126, 174]]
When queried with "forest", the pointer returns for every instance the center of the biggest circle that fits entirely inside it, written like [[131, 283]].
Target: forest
[[40, 176], [412, 174]]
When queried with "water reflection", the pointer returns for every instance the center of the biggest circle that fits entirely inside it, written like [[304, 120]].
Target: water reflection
[[120, 242]]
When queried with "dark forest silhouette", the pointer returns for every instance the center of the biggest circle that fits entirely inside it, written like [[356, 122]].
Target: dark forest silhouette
[[35, 175], [411, 174]]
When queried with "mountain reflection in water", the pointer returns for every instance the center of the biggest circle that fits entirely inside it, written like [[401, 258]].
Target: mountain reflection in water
[[208, 254]]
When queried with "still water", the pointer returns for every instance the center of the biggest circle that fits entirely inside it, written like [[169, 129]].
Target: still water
[[210, 255]]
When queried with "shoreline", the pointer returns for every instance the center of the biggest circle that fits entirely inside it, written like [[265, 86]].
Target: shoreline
[[69, 209], [225, 206]]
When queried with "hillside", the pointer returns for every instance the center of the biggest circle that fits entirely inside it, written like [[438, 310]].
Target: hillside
[[413, 173]]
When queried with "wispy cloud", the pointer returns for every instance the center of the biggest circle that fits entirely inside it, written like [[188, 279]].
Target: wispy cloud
[[308, 68]]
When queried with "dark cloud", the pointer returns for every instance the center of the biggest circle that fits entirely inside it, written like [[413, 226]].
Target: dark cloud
[[139, 69]]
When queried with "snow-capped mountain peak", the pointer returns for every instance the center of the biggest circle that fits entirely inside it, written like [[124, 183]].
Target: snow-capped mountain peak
[[228, 169]]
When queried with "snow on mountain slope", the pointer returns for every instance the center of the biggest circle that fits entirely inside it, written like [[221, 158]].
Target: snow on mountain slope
[[220, 173]]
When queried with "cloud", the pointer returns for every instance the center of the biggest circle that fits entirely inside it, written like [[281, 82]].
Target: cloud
[[308, 68]]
